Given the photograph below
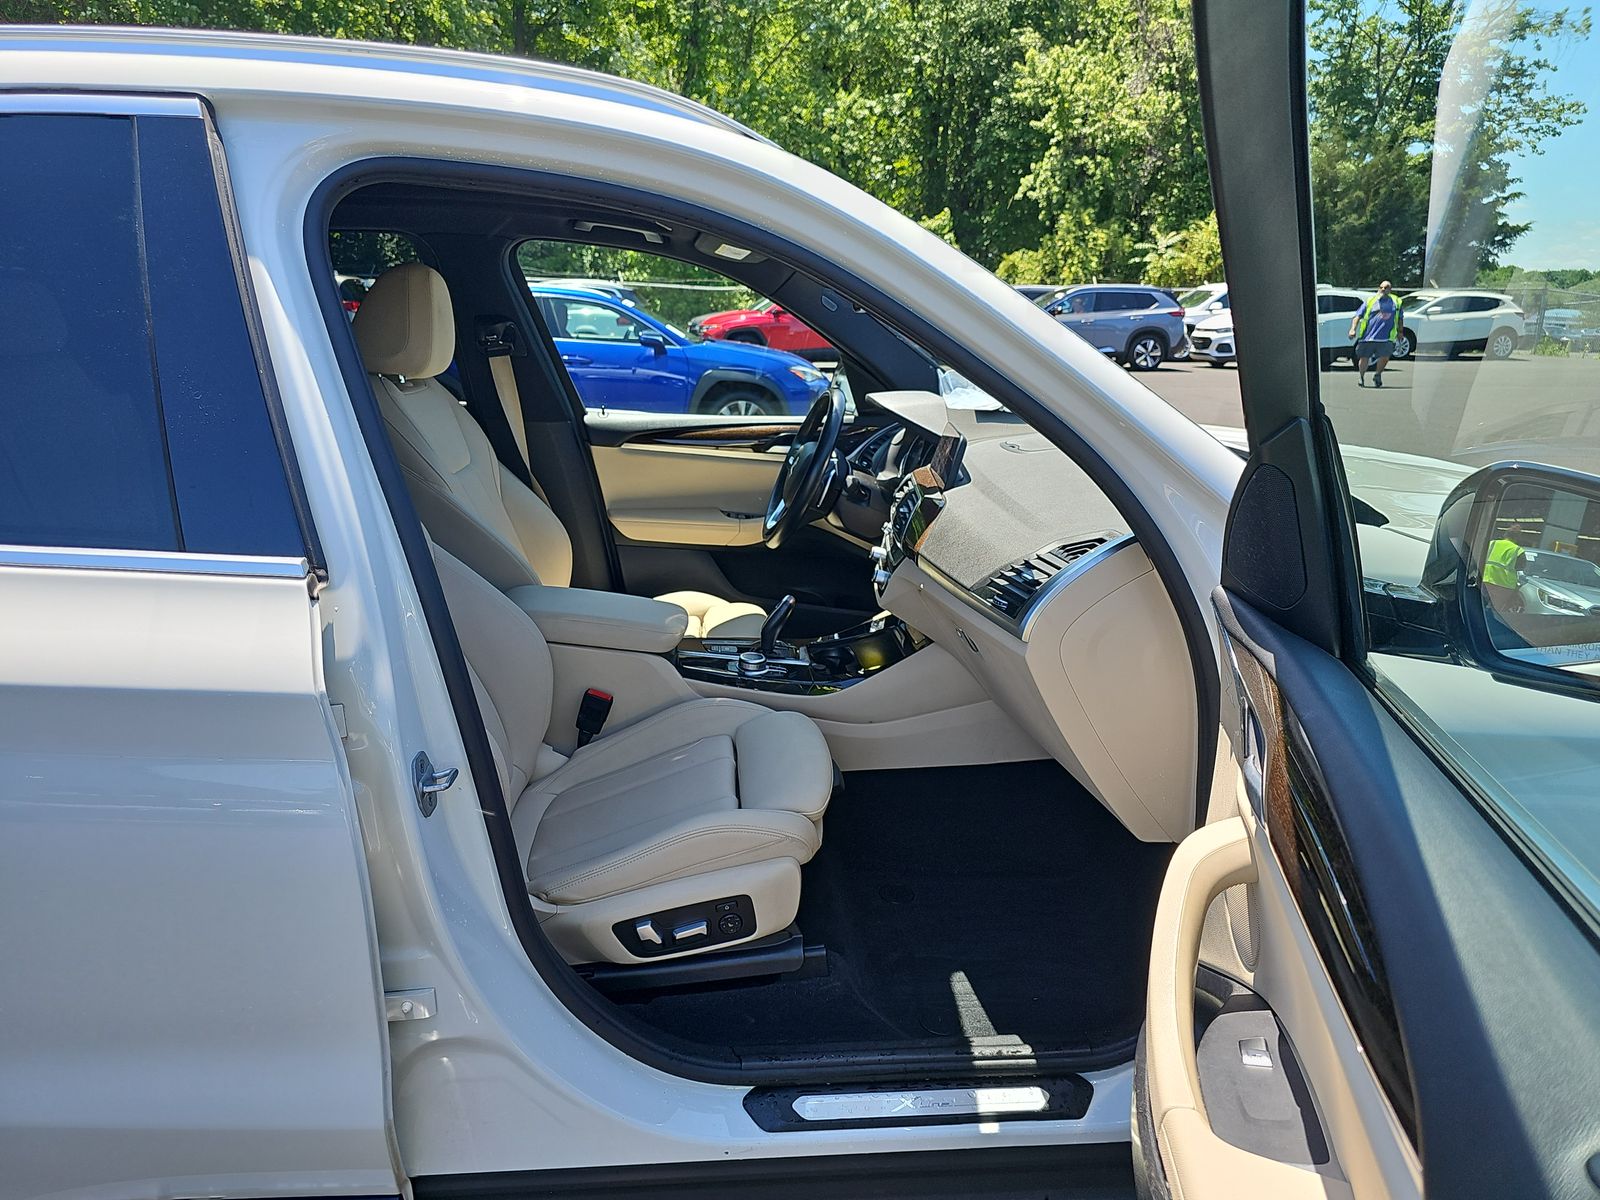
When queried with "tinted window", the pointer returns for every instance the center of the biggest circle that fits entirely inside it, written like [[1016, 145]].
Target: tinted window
[[1337, 304], [135, 415], [1482, 303], [81, 435], [1123, 301]]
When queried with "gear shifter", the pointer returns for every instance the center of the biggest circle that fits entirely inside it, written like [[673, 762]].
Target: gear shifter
[[781, 612]]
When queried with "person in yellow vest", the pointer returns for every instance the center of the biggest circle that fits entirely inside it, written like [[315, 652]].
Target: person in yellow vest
[[1375, 328], [1501, 563]]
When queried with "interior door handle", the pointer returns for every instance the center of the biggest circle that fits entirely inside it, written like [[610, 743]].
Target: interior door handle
[[576, 360]]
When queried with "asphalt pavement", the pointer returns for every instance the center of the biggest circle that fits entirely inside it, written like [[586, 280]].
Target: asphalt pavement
[[1546, 408]]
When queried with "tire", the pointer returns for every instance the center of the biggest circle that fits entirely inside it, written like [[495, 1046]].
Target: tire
[[1405, 345], [1501, 345], [1219, 362], [748, 336], [740, 402], [1327, 360], [1146, 351]]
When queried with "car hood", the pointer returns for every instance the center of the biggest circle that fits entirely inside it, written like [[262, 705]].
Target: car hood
[[1214, 323], [731, 316]]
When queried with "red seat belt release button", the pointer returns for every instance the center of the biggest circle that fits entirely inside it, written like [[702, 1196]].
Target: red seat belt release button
[[593, 710]]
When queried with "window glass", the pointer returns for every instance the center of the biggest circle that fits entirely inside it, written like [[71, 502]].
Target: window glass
[[81, 438], [1451, 152], [640, 332], [133, 415]]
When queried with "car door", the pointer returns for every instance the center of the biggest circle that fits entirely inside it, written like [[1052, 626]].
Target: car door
[[1335, 311], [193, 1003], [1116, 313], [1076, 311], [1374, 970], [611, 367]]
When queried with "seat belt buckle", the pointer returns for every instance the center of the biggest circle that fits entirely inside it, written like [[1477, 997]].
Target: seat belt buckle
[[593, 710]]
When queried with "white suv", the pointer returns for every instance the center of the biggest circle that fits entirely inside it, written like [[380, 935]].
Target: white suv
[[1458, 322]]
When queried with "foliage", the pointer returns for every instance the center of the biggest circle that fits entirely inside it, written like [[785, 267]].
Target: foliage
[[1059, 140], [1401, 89]]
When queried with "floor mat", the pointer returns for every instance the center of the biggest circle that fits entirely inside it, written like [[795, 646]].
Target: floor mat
[[961, 906]]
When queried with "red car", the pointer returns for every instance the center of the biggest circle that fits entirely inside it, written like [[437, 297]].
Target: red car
[[765, 324]]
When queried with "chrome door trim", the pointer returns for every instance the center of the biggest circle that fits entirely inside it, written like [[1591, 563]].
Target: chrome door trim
[[161, 561], [99, 104]]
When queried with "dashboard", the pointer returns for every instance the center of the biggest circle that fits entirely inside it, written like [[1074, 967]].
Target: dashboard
[[989, 541]]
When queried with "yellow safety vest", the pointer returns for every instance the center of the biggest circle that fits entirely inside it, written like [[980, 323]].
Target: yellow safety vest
[[1500, 567]]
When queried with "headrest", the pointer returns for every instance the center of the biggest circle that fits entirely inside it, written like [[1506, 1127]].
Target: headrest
[[30, 315], [404, 325]]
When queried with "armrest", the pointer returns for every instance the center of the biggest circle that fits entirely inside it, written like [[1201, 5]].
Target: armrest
[[577, 617]]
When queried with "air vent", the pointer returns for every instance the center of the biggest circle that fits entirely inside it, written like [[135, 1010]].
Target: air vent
[[1009, 590]]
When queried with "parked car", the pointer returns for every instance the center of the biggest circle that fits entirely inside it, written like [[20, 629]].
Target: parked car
[[1139, 326], [1336, 307], [764, 323], [621, 356], [1557, 584], [606, 287], [1036, 291], [1459, 322], [1202, 303]]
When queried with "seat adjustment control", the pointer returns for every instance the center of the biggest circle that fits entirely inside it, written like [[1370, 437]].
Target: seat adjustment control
[[691, 928]]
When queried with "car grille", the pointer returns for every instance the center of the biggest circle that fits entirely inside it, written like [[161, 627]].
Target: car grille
[[1200, 341]]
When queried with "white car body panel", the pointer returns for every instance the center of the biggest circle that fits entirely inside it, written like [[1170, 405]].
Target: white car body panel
[[192, 999], [474, 1091]]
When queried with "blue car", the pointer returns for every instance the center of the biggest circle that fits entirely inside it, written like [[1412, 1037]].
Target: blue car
[[620, 356]]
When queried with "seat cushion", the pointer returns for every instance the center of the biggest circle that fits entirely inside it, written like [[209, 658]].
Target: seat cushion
[[697, 787], [710, 616]]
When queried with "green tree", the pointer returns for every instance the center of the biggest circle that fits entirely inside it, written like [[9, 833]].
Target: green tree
[[1400, 87]]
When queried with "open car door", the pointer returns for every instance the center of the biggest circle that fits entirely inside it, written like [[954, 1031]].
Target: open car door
[[1375, 971]]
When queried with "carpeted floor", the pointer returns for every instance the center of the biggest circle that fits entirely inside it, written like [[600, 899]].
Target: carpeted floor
[[965, 906]]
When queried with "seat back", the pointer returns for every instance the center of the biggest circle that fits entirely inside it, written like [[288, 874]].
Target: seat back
[[472, 506], [511, 670]]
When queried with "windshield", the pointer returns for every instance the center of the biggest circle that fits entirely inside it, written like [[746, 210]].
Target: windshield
[[1199, 296]]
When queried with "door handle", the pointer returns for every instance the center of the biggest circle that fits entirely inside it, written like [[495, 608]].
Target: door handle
[[576, 360]]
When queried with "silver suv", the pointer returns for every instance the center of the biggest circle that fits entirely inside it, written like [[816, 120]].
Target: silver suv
[[1138, 325]]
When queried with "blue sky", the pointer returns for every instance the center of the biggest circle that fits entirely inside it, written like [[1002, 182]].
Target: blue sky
[[1563, 183]]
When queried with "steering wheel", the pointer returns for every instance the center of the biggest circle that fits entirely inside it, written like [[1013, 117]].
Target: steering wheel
[[800, 492]]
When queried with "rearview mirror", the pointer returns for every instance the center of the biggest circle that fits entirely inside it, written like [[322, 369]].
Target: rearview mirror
[[656, 342], [1516, 561]]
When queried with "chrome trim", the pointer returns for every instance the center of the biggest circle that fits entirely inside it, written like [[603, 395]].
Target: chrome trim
[[162, 561], [991, 1100], [99, 104], [1061, 578]]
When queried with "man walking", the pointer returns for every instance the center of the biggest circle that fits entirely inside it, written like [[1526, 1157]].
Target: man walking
[[1376, 325]]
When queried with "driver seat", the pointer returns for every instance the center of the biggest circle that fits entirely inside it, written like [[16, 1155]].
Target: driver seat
[[469, 503]]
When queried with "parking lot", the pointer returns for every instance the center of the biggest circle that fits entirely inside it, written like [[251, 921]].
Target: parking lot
[[1430, 405]]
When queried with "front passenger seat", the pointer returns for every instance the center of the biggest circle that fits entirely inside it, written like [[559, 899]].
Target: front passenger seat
[[681, 833], [470, 504]]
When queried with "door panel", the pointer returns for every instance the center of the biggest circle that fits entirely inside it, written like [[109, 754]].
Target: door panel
[[194, 1005], [674, 492]]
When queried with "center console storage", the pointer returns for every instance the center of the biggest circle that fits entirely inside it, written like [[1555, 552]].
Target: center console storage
[[607, 620], [811, 667]]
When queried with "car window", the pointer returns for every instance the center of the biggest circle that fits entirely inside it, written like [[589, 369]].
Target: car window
[[1454, 156], [1328, 303], [134, 414], [737, 353], [589, 321]]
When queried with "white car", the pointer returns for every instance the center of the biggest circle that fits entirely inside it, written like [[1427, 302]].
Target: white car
[[1459, 322], [420, 785], [1202, 303], [1556, 584], [1212, 338]]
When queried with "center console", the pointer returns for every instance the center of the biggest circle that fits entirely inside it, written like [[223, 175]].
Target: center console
[[811, 667]]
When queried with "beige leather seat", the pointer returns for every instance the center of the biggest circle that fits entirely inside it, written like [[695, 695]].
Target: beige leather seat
[[669, 821], [472, 505]]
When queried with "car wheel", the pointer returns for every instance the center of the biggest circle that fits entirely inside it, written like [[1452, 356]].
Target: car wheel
[[740, 402], [1405, 345], [1145, 352], [748, 336], [1327, 360], [1502, 342], [1218, 362]]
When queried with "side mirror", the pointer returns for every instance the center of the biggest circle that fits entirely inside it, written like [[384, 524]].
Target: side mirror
[[655, 342], [1513, 564], [776, 311]]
